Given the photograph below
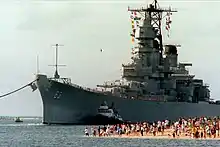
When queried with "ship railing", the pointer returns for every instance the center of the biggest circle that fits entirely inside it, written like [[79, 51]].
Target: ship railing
[[102, 91], [129, 68], [68, 81], [127, 64], [178, 71], [87, 89], [95, 90], [62, 80], [149, 98]]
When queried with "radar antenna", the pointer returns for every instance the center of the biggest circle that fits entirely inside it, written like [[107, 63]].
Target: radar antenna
[[154, 12], [56, 75]]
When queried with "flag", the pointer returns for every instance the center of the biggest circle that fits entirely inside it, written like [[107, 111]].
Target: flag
[[133, 31], [132, 51], [132, 35], [137, 18], [132, 39], [137, 23], [33, 86], [168, 22], [132, 24], [135, 13]]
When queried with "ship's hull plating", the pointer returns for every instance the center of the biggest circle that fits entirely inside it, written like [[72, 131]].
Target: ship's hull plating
[[65, 104]]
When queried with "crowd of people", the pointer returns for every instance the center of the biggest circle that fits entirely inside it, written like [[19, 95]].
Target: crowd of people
[[202, 127]]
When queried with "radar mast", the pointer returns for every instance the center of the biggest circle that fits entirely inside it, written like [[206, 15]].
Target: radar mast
[[56, 74], [155, 13]]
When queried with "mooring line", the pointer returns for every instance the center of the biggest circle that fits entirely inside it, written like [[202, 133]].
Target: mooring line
[[29, 84]]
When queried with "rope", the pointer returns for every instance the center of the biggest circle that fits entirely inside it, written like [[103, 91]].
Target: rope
[[18, 89]]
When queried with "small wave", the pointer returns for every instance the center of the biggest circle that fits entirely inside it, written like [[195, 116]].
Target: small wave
[[29, 118], [34, 124], [23, 118], [22, 124]]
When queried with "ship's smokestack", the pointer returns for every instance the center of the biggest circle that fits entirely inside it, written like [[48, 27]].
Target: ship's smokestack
[[171, 55]]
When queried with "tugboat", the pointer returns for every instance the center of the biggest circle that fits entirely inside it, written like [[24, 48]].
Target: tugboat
[[105, 115], [17, 119], [109, 112]]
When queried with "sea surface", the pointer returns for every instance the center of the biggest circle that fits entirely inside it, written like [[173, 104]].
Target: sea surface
[[32, 133]]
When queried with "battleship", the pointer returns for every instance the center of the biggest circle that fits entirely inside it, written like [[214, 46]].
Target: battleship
[[154, 85]]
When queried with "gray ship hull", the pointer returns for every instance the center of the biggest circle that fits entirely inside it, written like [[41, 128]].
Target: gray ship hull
[[66, 104]]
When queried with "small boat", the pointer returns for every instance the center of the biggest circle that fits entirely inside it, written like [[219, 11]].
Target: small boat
[[17, 119], [105, 111], [105, 115]]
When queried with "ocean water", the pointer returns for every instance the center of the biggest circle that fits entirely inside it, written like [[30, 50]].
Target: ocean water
[[32, 133]]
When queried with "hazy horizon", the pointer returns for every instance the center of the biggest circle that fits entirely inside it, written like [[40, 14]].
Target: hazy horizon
[[28, 29]]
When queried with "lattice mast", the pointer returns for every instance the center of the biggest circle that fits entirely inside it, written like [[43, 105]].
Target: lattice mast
[[155, 13]]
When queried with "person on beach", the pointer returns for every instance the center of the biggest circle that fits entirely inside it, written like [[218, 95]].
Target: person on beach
[[94, 132], [154, 130], [159, 128], [142, 131], [104, 128], [99, 131], [107, 131], [202, 127], [86, 132], [91, 130], [201, 132], [163, 128], [213, 131]]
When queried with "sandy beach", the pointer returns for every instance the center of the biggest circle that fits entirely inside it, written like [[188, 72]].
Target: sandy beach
[[195, 128], [156, 137], [166, 135]]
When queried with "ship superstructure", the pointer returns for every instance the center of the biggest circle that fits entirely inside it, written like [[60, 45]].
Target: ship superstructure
[[154, 71]]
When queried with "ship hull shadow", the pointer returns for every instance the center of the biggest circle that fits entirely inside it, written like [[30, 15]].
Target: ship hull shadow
[[100, 120]]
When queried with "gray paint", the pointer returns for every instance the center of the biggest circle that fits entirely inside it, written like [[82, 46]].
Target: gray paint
[[75, 104]]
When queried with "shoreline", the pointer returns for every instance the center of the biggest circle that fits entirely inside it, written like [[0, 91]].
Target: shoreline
[[195, 129], [154, 137]]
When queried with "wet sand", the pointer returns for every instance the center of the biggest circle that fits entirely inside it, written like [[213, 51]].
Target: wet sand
[[166, 135], [158, 137]]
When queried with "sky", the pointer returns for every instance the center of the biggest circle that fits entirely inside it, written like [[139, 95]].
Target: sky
[[29, 28]]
